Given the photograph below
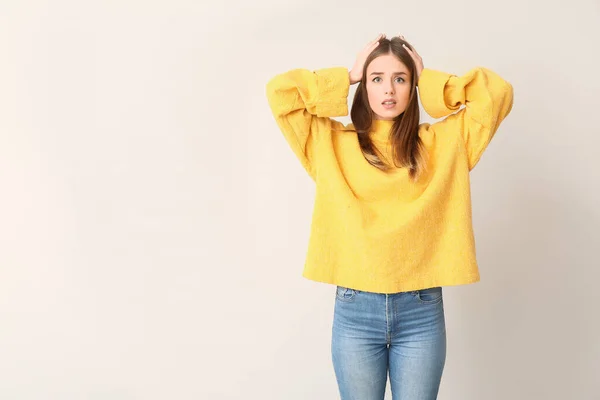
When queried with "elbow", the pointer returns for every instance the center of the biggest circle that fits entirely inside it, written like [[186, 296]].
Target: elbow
[[270, 89], [508, 90], [508, 98], [272, 92], [273, 86]]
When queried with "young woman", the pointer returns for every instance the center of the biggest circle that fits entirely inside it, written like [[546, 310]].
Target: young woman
[[392, 213]]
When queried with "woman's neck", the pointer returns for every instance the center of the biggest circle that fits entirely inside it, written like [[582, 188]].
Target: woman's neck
[[380, 129]]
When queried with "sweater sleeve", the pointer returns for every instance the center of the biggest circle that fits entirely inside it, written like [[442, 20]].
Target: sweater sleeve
[[302, 103], [487, 98]]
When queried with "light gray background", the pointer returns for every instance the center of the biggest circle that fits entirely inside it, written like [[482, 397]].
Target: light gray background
[[154, 223]]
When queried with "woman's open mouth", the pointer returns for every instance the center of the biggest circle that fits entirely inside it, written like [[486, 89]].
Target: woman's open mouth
[[389, 104]]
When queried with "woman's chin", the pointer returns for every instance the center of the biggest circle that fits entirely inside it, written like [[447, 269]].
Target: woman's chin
[[387, 114]]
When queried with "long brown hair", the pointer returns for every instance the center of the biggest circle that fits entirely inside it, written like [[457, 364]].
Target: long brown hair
[[407, 148]]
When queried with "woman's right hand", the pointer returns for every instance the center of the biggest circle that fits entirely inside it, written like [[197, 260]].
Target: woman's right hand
[[356, 72]]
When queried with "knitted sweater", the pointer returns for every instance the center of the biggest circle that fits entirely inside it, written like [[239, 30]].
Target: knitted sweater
[[379, 231]]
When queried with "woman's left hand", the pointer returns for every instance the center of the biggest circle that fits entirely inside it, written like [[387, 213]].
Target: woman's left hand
[[415, 56]]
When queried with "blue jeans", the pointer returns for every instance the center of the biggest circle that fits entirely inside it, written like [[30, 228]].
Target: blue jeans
[[401, 333]]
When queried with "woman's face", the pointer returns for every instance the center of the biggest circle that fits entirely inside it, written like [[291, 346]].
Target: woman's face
[[388, 86]]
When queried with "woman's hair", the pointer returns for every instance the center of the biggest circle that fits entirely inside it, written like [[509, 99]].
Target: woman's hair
[[407, 148]]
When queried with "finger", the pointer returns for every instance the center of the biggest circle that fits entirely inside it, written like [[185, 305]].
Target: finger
[[372, 45], [381, 36], [417, 56], [412, 52]]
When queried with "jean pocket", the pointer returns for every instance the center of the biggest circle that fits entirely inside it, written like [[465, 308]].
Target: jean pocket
[[345, 294], [430, 296]]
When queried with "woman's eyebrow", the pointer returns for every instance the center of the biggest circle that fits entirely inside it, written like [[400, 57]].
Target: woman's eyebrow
[[395, 73]]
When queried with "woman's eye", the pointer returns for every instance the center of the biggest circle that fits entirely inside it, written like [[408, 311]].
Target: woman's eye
[[398, 80]]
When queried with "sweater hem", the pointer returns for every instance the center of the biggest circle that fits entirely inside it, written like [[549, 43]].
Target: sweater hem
[[463, 280]]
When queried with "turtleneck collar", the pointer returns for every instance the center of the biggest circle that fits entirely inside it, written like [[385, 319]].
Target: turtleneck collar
[[380, 130]]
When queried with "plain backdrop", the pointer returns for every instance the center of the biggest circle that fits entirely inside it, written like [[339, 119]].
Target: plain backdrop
[[154, 222]]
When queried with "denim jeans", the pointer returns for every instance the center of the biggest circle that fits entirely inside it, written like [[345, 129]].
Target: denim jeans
[[403, 334]]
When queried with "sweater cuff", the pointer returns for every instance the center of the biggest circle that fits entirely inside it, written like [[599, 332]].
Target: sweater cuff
[[432, 84], [333, 85]]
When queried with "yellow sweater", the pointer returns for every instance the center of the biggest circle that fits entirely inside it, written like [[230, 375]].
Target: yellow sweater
[[377, 231]]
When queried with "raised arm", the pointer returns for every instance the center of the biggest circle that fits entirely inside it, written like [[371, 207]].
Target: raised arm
[[302, 103], [487, 99]]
